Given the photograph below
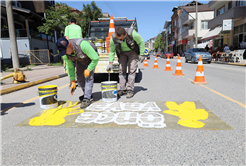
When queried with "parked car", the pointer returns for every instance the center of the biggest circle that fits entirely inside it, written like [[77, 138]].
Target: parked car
[[163, 55], [193, 55], [167, 54], [158, 54]]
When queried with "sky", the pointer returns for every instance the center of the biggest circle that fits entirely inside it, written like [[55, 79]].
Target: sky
[[150, 15]]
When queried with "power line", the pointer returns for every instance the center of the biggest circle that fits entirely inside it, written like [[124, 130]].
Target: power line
[[114, 9], [109, 7], [115, 14]]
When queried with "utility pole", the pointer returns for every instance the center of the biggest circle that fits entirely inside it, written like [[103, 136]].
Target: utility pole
[[196, 25], [166, 39], [159, 41], [12, 37]]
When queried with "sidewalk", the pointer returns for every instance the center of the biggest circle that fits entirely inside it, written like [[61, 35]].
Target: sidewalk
[[231, 63], [221, 62], [38, 75]]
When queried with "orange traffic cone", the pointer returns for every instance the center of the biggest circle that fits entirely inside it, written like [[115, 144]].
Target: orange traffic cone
[[199, 78], [111, 26], [145, 63], [168, 66], [111, 31], [155, 63], [178, 71]]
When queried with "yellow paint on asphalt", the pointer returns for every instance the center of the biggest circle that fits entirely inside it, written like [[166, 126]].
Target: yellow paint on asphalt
[[27, 101], [188, 114], [55, 116], [228, 98]]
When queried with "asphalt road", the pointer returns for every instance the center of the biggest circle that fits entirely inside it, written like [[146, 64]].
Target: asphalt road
[[224, 96]]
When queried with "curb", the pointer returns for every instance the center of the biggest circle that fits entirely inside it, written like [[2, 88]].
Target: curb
[[19, 87], [237, 64]]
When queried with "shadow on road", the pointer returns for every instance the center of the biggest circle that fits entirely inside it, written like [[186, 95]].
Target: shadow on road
[[7, 106], [139, 88], [98, 78]]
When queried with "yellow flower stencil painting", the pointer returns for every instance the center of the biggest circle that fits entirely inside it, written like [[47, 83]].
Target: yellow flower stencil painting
[[55, 116], [188, 114]]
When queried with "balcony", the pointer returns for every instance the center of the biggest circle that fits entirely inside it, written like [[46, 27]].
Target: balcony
[[187, 19], [188, 33], [233, 13]]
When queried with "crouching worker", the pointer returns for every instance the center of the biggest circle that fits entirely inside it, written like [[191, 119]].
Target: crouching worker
[[129, 47], [85, 57]]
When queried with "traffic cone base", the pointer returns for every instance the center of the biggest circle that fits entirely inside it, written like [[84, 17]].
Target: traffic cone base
[[178, 71], [145, 63], [168, 66], [155, 64], [199, 78]]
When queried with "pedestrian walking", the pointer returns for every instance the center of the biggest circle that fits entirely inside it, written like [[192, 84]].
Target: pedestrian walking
[[129, 47], [85, 57]]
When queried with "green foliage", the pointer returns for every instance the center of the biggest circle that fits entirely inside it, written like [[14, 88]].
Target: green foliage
[[28, 69], [55, 64], [89, 12], [159, 43], [57, 18]]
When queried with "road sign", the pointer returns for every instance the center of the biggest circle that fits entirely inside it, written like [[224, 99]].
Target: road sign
[[146, 51]]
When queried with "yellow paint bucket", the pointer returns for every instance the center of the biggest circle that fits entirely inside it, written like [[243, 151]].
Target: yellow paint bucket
[[109, 91], [48, 96]]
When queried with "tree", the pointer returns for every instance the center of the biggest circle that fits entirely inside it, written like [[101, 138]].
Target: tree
[[57, 18], [89, 12], [159, 43]]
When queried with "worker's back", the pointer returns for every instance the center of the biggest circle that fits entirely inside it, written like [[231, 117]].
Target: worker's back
[[73, 31]]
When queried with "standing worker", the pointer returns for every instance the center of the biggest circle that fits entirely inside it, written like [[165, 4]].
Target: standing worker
[[85, 57], [129, 46], [73, 30]]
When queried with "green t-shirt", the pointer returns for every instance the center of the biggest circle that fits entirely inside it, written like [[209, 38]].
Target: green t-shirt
[[90, 52], [139, 40], [73, 31]]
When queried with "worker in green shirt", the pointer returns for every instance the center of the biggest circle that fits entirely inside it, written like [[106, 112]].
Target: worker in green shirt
[[73, 30], [85, 59], [129, 47]]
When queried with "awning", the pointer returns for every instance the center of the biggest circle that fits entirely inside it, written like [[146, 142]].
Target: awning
[[212, 33]]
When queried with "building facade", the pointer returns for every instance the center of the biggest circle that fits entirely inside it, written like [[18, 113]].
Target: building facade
[[28, 15], [187, 22], [229, 24]]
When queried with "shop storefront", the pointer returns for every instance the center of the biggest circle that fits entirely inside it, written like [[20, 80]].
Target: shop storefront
[[239, 36]]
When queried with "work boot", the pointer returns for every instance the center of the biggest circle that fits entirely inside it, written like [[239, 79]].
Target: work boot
[[85, 103], [82, 97], [121, 92], [130, 94]]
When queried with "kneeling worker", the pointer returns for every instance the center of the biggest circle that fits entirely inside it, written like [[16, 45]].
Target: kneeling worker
[[84, 55], [129, 46]]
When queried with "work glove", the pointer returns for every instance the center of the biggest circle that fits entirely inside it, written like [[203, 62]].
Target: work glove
[[72, 87], [109, 67], [141, 58], [87, 73]]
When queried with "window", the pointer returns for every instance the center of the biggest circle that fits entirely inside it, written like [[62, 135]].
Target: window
[[229, 5], [199, 50], [239, 3], [204, 25], [220, 11]]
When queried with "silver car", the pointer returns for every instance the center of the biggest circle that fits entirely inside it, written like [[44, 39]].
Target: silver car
[[193, 55]]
